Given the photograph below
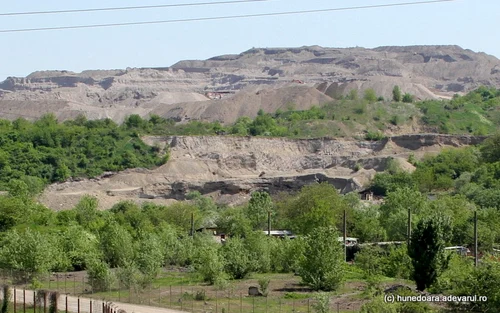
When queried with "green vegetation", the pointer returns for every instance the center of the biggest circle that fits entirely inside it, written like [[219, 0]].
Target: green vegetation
[[130, 244], [36, 153], [427, 252]]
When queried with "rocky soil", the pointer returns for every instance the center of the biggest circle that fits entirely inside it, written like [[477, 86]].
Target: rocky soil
[[224, 88], [230, 168]]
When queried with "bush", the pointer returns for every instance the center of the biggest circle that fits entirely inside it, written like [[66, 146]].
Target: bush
[[371, 260], [200, 295], [398, 263], [374, 136], [264, 286], [128, 275], [321, 303], [370, 95], [100, 276], [357, 167], [378, 305], [408, 98]]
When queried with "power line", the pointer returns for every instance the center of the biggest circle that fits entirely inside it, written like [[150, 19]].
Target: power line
[[222, 17], [130, 8]]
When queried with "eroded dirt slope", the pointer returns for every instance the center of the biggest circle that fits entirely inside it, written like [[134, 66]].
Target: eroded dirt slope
[[230, 168], [226, 87]]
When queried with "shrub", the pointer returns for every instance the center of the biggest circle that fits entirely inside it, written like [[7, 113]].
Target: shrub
[[100, 276], [321, 303], [357, 167], [378, 305], [374, 136], [408, 98], [264, 286], [200, 295]]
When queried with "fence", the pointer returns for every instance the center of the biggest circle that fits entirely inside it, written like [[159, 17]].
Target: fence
[[174, 291], [23, 300]]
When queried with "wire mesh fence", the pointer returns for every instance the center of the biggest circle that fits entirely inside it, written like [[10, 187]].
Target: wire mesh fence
[[164, 293]]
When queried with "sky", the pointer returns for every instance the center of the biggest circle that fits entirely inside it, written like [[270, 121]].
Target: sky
[[471, 24]]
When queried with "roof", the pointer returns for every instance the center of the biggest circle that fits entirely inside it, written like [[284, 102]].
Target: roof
[[348, 238], [278, 232], [456, 247]]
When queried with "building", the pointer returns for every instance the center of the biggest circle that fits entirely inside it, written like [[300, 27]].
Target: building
[[349, 241], [280, 233], [218, 236]]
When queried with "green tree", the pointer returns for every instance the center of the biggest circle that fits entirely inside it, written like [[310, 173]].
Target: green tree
[[490, 149], [116, 245], [394, 211], [79, 246], [150, 257], [87, 214], [259, 206], [100, 276], [315, 206], [234, 222], [208, 261], [370, 95], [396, 94], [29, 252], [322, 266], [238, 263], [427, 251]]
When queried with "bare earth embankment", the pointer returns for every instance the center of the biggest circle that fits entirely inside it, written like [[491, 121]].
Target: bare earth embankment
[[230, 168]]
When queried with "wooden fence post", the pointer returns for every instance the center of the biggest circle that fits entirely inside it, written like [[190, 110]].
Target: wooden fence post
[[15, 300]]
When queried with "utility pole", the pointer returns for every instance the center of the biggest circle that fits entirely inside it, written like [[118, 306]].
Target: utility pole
[[408, 230], [345, 236], [192, 224], [475, 239], [269, 223]]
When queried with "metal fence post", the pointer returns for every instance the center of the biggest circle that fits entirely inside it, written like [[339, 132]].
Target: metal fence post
[[241, 303], [24, 300], [34, 301], [66, 303], [90, 308]]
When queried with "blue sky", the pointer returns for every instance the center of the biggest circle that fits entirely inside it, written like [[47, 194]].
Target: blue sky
[[471, 24]]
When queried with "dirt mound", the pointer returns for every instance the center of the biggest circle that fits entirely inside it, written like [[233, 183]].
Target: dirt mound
[[230, 168], [227, 87]]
